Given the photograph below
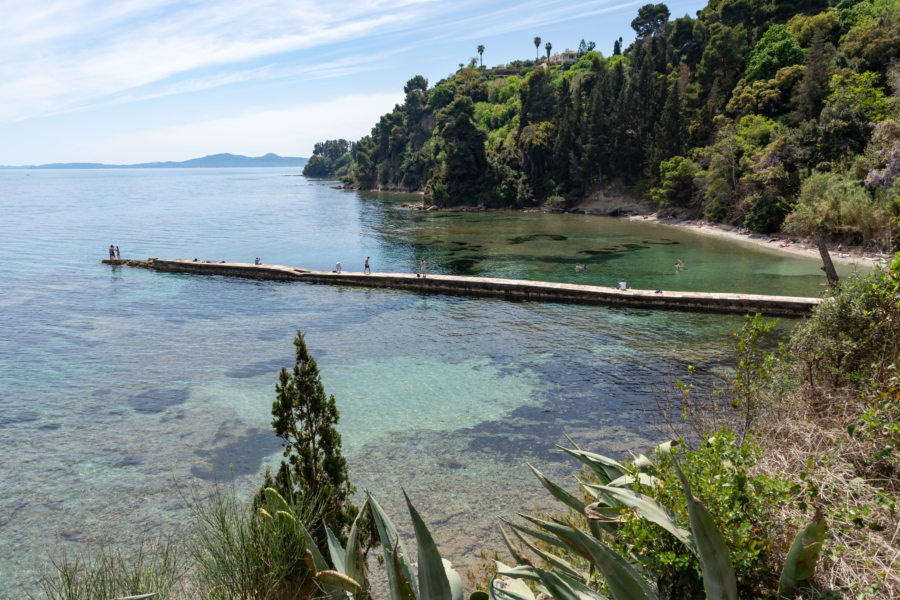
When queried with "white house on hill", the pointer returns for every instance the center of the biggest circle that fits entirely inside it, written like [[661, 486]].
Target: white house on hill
[[564, 58]]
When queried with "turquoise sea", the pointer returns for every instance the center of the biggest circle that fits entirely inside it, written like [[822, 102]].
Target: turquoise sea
[[121, 388]]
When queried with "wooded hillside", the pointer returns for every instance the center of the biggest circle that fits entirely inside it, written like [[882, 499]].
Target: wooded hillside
[[763, 115]]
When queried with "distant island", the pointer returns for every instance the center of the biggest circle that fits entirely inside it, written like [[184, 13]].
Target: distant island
[[211, 161]]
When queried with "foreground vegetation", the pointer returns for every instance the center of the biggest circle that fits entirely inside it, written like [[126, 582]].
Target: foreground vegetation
[[757, 114], [785, 485]]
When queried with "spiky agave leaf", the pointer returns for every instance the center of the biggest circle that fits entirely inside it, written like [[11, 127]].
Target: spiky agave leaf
[[355, 555], [336, 551], [433, 581], [624, 582], [456, 586], [559, 586], [535, 533], [318, 560], [606, 515], [629, 479], [552, 559], [562, 532], [800, 563], [655, 512], [401, 580], [606, 469], [514, 588], [519, 556], [558, 492], [715, 561]]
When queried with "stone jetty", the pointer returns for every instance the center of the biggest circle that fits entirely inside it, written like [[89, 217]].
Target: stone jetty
[[508, 289]]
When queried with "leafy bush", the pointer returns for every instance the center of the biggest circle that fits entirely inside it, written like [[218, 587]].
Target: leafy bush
[[740, 502], [620, 554], [851, 342], [676, 182]]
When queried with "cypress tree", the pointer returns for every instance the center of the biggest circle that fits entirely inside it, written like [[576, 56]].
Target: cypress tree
[[813, 88], [313, 468]]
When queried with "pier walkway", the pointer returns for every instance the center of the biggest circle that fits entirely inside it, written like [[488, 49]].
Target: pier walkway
[[508, 289]]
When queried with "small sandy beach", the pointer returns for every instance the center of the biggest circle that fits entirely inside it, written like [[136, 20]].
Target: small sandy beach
[[776, 242]]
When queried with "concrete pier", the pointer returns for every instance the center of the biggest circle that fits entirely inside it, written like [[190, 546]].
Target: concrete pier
[[508, 289]]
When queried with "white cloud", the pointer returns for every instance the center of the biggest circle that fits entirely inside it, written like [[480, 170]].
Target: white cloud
[[75, 54], [288, 132]]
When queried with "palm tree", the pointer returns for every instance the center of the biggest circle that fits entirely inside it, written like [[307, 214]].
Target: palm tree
[[537, 45], [480, 52], [547, 47]]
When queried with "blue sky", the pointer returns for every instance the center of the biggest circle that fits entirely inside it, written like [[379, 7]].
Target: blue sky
[[124, 81]]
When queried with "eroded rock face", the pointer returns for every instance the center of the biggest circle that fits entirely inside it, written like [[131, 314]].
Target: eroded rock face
[[611, 200]]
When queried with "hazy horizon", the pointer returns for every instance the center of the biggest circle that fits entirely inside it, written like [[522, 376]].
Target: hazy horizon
[[158, 162]]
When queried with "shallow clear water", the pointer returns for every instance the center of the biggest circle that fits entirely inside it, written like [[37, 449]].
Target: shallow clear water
[[120, 387]]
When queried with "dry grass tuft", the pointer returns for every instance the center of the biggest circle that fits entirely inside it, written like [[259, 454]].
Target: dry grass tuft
[[805, 439]]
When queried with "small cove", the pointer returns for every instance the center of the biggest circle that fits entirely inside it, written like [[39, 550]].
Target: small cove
[[120, 387]]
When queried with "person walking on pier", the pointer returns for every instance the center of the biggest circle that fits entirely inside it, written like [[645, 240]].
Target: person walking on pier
[[366, 269]]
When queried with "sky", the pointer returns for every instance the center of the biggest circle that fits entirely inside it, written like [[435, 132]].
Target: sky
[[128, 81]]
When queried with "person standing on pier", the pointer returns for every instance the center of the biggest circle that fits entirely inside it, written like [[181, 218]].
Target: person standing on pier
[[112, 252], [367, 269], [423, 267], [118, 254]]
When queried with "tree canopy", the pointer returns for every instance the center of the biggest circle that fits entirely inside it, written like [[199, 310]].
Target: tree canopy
[[724, 115]]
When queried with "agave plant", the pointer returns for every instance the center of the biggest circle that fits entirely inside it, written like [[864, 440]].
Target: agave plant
[[436, 580], [624, 579]]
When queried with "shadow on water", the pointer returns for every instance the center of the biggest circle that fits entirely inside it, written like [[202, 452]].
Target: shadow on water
[[266, 367], [521, 239], [17, 416], [234, 453], [158, 400]]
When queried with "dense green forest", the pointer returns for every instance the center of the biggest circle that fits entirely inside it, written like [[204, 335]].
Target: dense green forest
[[765, 115]]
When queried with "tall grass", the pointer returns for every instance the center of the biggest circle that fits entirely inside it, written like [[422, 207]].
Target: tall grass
[[103, 574], [239, 551]]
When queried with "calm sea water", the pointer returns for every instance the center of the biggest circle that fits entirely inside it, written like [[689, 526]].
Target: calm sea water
[[121, 388]]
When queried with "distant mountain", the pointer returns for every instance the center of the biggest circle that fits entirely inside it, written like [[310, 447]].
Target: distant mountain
[[211, 161]]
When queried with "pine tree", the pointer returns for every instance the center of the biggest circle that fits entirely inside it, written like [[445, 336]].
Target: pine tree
[[813, 87], [313, 468]]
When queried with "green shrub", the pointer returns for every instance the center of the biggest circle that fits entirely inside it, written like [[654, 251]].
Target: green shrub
[[740, 502], [848, 350]]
